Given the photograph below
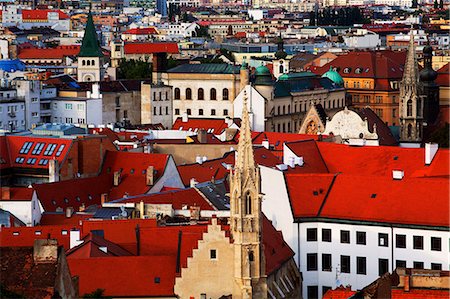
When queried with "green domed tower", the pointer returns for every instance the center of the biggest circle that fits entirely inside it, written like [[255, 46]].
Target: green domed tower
[[263, 76], [334, 76]]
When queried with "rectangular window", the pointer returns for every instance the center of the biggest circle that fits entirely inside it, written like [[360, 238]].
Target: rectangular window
[[213, 111], [60, 149], [31, 161], [418, 242], [68, 106], [20, 160], [188, 111], [225, 112], [361, 265], [26, 147], [383, 266], [345, 236], [326, 262], [345, 264], [418, 265], [43, 162], [325, 289], [80, 107], [38, 148], [326, 235], [313, 292], [81, 121], [400, 241], [154, 111], [361, 238], [55, 106], [435, 266], [35, 114], [213, 254], [69, 120], [311, 234], [177, 111], [49, 149], [383, 240], [400, 264], [436, 244], [311, 261]]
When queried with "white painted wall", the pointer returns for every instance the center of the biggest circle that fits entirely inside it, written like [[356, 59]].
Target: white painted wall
[[255, 104], [28, 212]]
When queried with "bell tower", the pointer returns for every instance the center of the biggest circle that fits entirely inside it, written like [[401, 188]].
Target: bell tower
[[90, 58], [246, 219], [411, 105]]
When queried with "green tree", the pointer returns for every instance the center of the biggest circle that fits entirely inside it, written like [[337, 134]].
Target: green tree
[[134, 69]]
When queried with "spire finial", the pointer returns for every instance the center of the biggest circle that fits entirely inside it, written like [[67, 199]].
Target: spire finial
[[245, 150]]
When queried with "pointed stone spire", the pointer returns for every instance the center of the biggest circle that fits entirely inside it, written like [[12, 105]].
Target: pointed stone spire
[[245, 159], [411, 71], [90, 46]]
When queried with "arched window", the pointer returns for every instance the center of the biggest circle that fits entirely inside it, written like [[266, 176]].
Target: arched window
[[289, 109], [93, 62], [279, 128], [88, 62], [279, 110], [188, 94], [284, 128], [281, 69], [83, 62], [248, 204], [251, 256], [213, 94], [334, 104], [225, 94], [284, 110], [409, 130], [409, 108], [176, 93], [200, 94]]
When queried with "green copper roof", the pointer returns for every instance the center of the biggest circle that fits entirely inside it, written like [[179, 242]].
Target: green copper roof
[[283, 77], [334, 76], [262, 71], [244, 65], [90, 46], [206, 68]]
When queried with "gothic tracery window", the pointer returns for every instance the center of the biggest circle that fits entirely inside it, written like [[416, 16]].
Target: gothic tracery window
[[248, 204]]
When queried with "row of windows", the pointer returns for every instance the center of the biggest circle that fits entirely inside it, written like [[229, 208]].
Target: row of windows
[[88, 62], [200, 112], [201, 94], [383, 239], [160, 98], [155, 110]]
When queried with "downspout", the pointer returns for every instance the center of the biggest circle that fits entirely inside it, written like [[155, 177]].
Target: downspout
[[178, 266], [138, 241], [392, 248], [298, 244]]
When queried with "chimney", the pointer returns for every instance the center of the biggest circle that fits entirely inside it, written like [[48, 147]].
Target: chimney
[[149, 176], [45, 251], [53, 171], [430, 151], [82, 207], [195, 212], [291, 162], [202, 136], [406, 283], [299, 161], [398, 174], [6, 193], [69, 212], [265, 143], [184, 118], [199, 159], [229, 121], [141, 209], [116, 178], [103, 198]]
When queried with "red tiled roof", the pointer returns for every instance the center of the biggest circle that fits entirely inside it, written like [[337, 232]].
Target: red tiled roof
[[73, 193], [14, 144], [132, 167], [373, 64], [215, 168], [420, 294], [145, 31], [382, 199], [443, 78], [150, 48], [339, 293], [177, 198], [61, 219], [217, 125], [49, 53], [27, 235], [17, 193], [312, 159], [41, 14], [92, 247], [135, 276]]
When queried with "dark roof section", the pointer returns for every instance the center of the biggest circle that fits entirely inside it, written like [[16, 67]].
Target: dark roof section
[[384, 133], [90, 46], [216, 194], [285, 88], [209, 68], [321, 112]]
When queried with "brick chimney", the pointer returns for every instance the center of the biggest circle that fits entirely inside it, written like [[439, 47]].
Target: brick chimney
[[103, 198], [202, 136], [149, 176], [6, 193], [406, 283], [45, 251]]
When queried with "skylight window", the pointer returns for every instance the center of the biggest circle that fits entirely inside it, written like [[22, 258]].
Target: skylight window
[[20, 160], [26, 147], [43, 162], [50, 149], [31, 161], [374, 195], [60, 149], [38, 148]]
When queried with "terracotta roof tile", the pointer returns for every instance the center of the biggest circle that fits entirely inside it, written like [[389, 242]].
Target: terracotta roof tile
[[48, 53], [150, 48]]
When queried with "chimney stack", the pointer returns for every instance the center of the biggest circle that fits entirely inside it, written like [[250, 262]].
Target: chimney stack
[[265, 143], [430, 151], [202, 136], [45, 251], [69, 212], [406, 283], [149, 175], [116, 178], [184, 118], [199, 159], [193, 182], [103, 198], [6, 193], [398, 174], [53, 171]]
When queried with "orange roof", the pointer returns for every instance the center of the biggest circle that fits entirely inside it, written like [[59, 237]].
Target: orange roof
[[144, 31], [150, 48], [25, 236], [339, 293], [49, 53], [212, 125], [420, 294]]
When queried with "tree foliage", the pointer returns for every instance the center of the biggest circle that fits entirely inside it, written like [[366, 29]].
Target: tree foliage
[[134, 69]]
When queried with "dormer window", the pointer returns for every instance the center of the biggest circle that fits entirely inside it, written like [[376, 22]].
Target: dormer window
[[347, 70]]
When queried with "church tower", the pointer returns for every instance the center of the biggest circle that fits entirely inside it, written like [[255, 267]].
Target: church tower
[[429, 89], [90, 58], [411, 105], [246, 219]]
